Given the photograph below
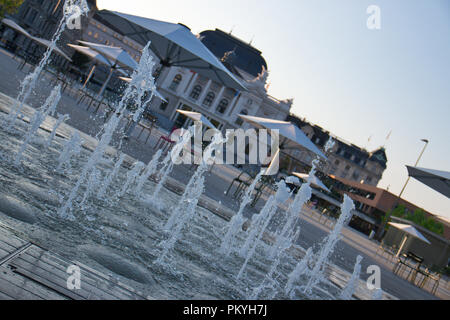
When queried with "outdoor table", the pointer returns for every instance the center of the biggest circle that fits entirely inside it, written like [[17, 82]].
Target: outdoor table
[[418, 263]]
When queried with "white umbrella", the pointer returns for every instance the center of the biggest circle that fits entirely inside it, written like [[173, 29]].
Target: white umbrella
[[159, 95], [293, 137], [435, 179], [314, 180], [409, 230], [173, 44], [114, 57], [196, 116], [13, 25], [95, 56], [48, 43]]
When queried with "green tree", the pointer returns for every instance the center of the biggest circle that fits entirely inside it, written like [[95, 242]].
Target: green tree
[[9, 6], [419, 217]]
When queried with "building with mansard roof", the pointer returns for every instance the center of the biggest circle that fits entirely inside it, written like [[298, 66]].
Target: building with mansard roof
[[345, 160], [184, 89]]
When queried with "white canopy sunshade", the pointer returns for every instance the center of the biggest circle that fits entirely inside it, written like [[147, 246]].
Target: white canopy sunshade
[[196, 116], [293, 137], [435, 179], [13, 25], [47, 44], [114, 57], [173, 44], [409, 230], [159, 95], [314, 180], [91, 54]]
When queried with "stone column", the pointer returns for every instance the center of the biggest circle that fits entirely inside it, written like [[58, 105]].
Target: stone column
[[188, 89], [218, 98], [205, 91]]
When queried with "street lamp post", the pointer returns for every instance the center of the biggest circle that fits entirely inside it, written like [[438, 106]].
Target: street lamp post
[[388, 215]]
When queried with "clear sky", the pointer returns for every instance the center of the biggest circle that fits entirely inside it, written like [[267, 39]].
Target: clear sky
[[355, 82]]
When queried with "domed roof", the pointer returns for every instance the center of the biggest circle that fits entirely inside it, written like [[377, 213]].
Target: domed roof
[[244, 56]]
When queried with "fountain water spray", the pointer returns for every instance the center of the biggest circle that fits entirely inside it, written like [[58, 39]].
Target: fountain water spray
[[349, 289], [132, 176], [270, 276], [93, 181], [256, 221], [72, 9], [286, 233], [134, 91], [149, 170], [238, 219], [71, 148], [217, 141], [110, 177], [167, 245], [61, 119], [300, 269], [261, 222], [188, 203], [39, 116], [329, 244], [165, 171]]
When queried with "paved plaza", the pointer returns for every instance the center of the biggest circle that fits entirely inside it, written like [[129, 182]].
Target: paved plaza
[[314, 227]]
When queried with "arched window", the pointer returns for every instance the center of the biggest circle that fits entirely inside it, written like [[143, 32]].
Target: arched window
[[209, 99], [196, 92], [222, 106], [176, 82], [164, 104]]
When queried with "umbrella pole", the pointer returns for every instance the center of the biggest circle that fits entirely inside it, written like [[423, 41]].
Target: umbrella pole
[[274, 164], [106, 82], [89, 76], [401, 246]]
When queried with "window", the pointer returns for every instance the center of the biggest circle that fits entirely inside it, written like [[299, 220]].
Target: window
[[249, 102], [347, 167], [222, 106], [196, 92], [239, 120], [175, 82], [209, 99], [164, 104], [337, 162]]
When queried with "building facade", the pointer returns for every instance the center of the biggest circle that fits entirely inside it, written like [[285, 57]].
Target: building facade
[[184, 89], [41, 18], [372, 204], [345, 160]]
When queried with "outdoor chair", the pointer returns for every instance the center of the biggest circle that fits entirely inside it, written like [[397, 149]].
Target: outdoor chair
[[86, 94], [243, 180], [429, 275], [403, 264], [385, 249], [165, 141], [265, 183], [145, 126]]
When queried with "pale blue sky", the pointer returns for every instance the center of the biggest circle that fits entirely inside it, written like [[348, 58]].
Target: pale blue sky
[[344, 77]]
